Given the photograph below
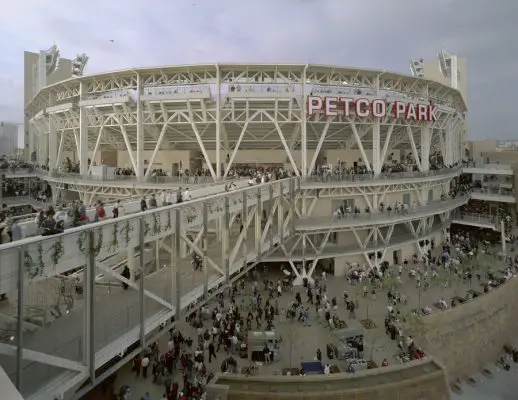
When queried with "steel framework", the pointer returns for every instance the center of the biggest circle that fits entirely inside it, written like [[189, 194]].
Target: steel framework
[[229, 232], [216, 110]]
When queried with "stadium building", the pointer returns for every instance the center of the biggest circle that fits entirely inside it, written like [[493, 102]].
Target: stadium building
[[356, 167]]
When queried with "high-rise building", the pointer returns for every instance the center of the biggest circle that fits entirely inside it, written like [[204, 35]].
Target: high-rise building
[[448, 69], [40, 70]]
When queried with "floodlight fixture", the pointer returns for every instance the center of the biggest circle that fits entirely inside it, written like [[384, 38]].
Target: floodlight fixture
[[79, 64], [52, 57]]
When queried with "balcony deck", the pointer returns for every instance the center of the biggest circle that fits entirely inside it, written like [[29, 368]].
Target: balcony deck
[[363, 220]]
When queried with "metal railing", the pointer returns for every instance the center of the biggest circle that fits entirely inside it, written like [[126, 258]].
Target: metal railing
[[484, 218], [493, 190], [487, 165], [331, 177]]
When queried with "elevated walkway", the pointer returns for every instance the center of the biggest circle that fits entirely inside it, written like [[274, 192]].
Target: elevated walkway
[[477, 220], [322, 182], [497, 195], [29, 228], [489, 169], [351, 221], [400, 237], [55, 355]]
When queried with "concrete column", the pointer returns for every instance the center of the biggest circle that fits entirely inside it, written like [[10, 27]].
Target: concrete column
[[425, 148], [257, 225], [376, 155], [226, 240], [140, 130], [83, 132], [176, 270], [205, 244], [244, 218]]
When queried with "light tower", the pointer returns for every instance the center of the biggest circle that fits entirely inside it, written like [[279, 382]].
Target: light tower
[[48, 63], [79, 64], [417, 67], [448, 65]]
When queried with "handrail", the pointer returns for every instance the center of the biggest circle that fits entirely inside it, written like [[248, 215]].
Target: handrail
[[331, 177], [375, 218], [93, 225], [493, 190]]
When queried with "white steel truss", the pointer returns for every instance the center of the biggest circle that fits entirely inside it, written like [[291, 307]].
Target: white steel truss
[[251, 222], [217, 109]]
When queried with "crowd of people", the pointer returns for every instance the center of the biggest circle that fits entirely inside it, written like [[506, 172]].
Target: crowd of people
[[343, 170], [217, 339]]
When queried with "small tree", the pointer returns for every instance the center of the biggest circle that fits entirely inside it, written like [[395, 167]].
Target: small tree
[[413, 326], [390, 282]]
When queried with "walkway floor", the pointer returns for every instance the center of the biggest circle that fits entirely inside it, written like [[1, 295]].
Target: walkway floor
[[400, 236], [300, 343], [116, 312]]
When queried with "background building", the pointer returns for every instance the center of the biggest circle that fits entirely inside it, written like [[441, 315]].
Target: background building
[[40, 70], [448, 69], [8, 139]]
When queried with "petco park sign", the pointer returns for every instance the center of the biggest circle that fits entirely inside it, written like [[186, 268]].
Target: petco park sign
[[331, 106]]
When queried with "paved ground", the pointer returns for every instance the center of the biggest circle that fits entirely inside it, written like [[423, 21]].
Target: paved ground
[[300, 343]]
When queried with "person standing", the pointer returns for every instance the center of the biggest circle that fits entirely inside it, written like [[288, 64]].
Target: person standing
[[145, 366]]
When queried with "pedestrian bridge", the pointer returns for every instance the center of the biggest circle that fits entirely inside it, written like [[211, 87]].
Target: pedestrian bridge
[[60, 328]]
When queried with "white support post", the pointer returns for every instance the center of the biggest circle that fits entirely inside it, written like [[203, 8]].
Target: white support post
[[53, 144], [414, 147], [425, 148], [387, 143], [303, 128], [238, 143], [196, 132], [319, 147], [129, 149], [83, 131], [376, 156], [139, 171], [96, 148], [360, 145], [59, 157], [218, 123], [158, 144], [284, 143]]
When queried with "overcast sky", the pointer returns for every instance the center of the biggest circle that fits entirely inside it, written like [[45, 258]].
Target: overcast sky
[[366, 33]]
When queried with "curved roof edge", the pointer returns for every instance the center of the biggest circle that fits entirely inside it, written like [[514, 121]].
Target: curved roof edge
[[219, 65]]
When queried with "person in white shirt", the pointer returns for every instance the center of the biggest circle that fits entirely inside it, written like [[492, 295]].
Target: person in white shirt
[[60, 214], [162, 199], [186, 195], [327, 370], [145, 365]]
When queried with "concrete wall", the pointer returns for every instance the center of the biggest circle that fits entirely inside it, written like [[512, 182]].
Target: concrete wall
[[466, 338], [423, 380]]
